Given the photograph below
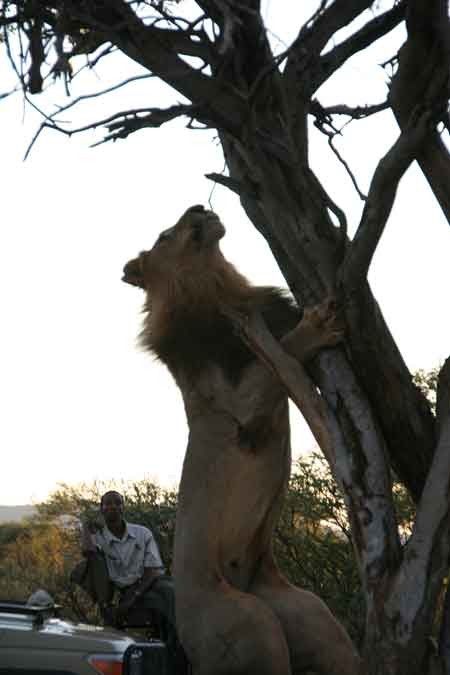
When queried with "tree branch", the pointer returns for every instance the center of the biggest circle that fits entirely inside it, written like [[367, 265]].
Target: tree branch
[[356, 112], [230, 183], [380, 200], [365, 37], [405, 416], [420, 577], [121, 124], [423, 75], [156, 49], [303, 59], [289, 371], [364, 481], [314, 36], [323, 121]]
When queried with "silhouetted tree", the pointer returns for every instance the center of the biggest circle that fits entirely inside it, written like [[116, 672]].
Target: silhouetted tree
[[360, 401]]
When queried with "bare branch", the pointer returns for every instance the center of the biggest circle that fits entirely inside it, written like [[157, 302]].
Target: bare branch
[[122, 124], [129, 122], [157, 49], [381, 198], [226, 181], [300, 70], [356, 113], [346, 166], [365, 483], [323, 121], [289, 371], [423, 76], [313, 37], [433, 507], [100, 92], [366, 36]]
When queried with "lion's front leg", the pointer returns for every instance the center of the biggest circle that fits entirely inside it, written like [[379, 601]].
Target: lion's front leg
[[321, 326]]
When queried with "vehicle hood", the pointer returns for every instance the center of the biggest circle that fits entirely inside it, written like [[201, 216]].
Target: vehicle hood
[[65, 635]]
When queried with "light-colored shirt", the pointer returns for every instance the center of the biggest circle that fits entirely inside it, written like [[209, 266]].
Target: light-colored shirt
[[126, 558]]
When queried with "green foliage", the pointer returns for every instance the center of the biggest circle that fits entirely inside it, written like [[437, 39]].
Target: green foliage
[[145, 503], [312, 542], [39, 556], [312, 539], [42, 552]]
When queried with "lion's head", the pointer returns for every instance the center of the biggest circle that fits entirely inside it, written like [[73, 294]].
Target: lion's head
[[180, 249], [188, 285]]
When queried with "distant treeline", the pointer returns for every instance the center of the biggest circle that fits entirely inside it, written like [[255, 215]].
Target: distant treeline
[[312, 540]]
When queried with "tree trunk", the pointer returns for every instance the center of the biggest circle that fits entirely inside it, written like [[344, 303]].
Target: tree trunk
[[399, 620]]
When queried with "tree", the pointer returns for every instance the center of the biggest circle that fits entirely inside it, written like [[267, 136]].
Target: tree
[[367, 415], [313, 542], [41, 556]]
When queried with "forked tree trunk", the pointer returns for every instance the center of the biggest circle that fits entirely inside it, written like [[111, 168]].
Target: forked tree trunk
[[359, 400], [402, 587]]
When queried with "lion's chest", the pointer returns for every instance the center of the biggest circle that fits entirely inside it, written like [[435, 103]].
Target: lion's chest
[[235, 471]]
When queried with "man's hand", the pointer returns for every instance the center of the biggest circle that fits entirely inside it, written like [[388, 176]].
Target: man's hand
[[93, 524], [88, 529], [321, 326]]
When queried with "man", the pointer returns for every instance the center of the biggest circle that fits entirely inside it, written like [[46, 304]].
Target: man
[[123, 557]]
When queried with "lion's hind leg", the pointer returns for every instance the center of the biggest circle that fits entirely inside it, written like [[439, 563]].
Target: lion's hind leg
[[235, 634], [316, 640]]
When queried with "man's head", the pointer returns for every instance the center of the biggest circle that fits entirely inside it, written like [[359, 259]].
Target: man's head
[[111, 506]]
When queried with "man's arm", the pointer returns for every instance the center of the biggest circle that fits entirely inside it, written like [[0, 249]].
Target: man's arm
[[150, 574], [88, 540], [153, 568]]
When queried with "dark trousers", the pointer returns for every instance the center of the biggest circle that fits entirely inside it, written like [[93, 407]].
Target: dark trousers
[[92, 575], [155, 607]]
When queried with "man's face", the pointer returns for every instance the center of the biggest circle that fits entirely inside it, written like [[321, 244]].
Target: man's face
[[112, 508]]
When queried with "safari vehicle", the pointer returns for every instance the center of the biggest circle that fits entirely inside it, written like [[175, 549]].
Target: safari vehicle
[[34, 640]]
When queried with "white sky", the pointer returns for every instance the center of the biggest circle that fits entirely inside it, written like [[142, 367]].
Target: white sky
[[79, 401]]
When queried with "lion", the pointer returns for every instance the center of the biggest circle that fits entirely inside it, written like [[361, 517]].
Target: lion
[[235, 611]]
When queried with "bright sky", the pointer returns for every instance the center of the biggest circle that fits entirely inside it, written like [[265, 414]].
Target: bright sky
[[79, 400]]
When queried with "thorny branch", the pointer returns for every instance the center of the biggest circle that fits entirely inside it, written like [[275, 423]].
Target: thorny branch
[[121, 124]]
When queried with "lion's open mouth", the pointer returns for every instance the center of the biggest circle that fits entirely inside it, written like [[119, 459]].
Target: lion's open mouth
[[132, 273], [214, 224]]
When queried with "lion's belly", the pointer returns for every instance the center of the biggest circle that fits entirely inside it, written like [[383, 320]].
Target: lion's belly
[[230, 493]]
